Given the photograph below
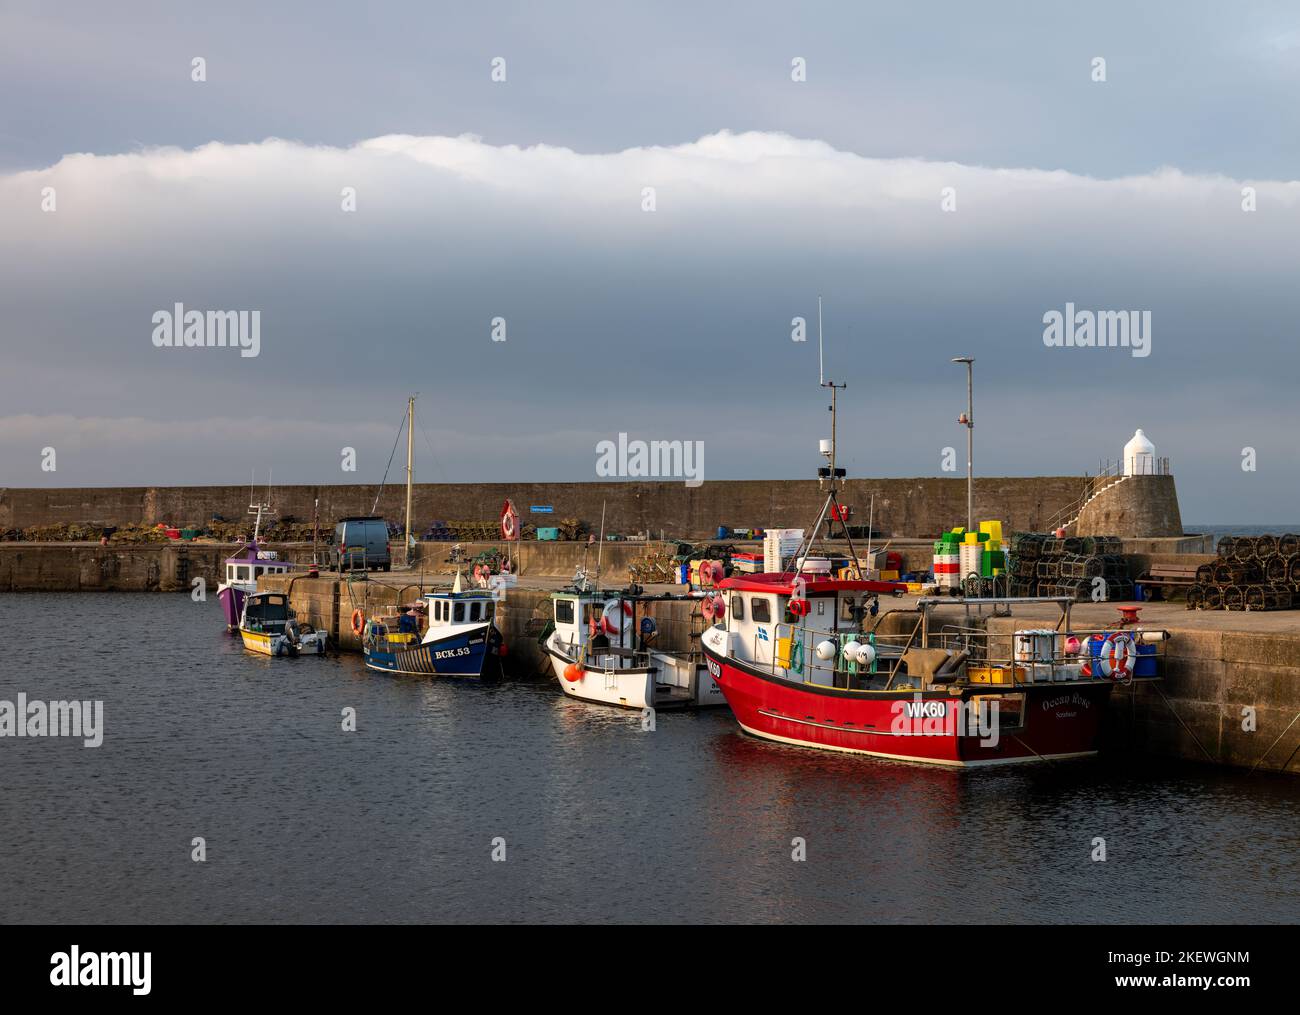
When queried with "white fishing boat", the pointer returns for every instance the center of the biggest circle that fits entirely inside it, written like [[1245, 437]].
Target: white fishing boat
[[600, 651]]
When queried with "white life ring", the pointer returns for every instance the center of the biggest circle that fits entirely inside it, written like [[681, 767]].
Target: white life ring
[[613, 615], [1117, 656]]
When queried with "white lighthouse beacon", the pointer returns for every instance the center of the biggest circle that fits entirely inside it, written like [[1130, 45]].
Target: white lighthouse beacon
[[1139, 456]]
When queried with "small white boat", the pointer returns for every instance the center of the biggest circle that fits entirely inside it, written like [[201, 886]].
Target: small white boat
[[268, 626], [599, 653]]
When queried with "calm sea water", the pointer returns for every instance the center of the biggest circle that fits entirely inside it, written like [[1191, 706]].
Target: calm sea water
[[1219, 531], [601, 821]]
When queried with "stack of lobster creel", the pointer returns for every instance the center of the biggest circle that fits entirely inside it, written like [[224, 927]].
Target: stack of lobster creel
[[1078, 567], [1250, 573]]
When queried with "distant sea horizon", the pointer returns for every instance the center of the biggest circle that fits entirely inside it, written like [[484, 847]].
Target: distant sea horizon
[[1218, 531]]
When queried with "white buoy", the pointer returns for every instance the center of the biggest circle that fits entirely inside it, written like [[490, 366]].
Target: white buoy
[[825, 651]]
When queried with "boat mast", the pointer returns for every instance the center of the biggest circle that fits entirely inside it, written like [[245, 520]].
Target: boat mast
[[410, 470], [833, 473], [601, 545], [256, 508]]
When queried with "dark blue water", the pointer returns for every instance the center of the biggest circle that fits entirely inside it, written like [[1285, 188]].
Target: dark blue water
[[692, 822]]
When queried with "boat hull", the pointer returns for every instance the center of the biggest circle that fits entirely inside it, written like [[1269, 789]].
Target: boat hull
[[462, 655], [279, 645], [1052, 721], [231, 598], [633, 687]]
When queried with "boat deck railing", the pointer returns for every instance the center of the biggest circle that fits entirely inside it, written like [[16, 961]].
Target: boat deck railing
[[984, 650]]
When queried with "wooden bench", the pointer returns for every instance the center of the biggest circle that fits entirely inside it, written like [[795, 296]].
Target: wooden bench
[[1168, 578]]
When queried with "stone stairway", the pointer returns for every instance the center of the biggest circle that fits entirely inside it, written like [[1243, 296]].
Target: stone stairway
[[1078, 508]]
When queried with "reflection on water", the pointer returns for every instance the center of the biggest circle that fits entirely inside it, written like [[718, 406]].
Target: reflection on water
[[601, 820]]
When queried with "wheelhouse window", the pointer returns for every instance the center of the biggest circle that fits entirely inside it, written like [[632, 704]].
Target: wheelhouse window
[[564, 611], [460, 613], [737, 608], [475, 611], [242, 572], [488, 609], [760, 611]]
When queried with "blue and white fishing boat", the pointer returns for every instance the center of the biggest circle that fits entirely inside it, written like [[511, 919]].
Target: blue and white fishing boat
[[460, 637]]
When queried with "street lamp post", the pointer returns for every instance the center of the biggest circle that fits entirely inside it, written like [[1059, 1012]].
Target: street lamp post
[[967, 419]]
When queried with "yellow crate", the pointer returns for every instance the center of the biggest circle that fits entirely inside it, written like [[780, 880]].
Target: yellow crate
[[889, 576], [994, 674]]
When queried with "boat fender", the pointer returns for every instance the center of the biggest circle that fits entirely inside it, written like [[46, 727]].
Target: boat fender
[[826, 650], [1117, 656], [358, 622], [796, 657], [573, 673]]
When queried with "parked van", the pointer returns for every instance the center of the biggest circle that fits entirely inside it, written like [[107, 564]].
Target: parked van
[[361, 542]]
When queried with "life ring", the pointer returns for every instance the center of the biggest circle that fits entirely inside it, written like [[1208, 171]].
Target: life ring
[[799, 607], [1117, 656], [612, 617], [358, 622]]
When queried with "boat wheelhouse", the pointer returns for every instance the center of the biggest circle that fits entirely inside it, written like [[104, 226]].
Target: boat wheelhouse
[[459, 635], [267, 625], [600, 648]]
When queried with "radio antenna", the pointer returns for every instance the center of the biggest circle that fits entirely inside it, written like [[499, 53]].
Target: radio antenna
[[821, 378]]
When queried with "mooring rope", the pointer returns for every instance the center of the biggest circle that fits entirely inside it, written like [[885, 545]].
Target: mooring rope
[[1275, 743], [1184, 725]]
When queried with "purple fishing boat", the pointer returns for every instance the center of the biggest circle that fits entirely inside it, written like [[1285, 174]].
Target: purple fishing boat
[[243, 570]]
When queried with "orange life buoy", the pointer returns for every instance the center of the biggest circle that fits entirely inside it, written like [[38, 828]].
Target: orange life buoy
[[1116, 656], [358, 622], [573, 673]]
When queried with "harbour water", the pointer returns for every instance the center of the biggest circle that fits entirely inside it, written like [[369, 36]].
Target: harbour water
[[601, 820]]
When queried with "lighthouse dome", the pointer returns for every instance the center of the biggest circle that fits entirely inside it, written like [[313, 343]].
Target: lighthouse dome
[[1139, 456]]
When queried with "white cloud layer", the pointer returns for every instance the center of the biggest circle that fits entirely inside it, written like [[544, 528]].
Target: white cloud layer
[[665, 322]]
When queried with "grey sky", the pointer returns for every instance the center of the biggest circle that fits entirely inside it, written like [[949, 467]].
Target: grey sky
[[1117, 195]]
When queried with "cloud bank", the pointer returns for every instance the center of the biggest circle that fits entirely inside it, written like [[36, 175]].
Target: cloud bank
[[671, 323]]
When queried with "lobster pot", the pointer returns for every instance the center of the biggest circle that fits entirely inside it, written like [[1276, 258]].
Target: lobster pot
[[1036, 649], [779, 545], [971, 559]]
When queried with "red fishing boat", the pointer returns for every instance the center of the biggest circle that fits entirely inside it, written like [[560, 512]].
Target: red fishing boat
[[801, 659], [797, 665]]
